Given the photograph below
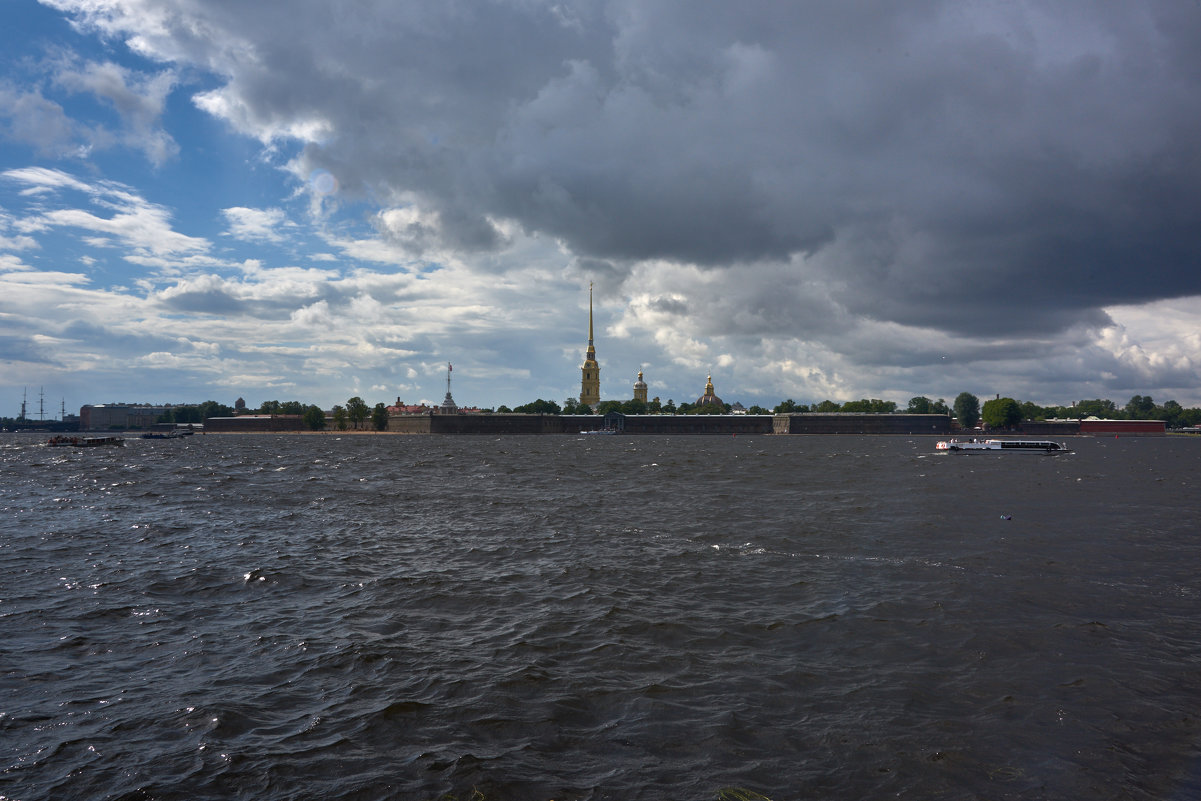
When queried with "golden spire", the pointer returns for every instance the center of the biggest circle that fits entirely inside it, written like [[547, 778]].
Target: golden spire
[[590, 375]]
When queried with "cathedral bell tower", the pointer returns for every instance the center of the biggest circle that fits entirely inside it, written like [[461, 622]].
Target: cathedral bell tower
[[590, 380], [640, 388]]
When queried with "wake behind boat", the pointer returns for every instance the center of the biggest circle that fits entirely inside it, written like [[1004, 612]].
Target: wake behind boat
[[1007, 445]]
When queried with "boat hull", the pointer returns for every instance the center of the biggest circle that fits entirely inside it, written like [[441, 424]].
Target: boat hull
[[1002, 446], [86, 442]]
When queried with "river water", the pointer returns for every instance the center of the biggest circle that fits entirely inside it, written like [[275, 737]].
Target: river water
[[564, 617]]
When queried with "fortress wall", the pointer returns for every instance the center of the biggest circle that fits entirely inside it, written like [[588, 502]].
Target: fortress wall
[[814, 423], [1141, 428], [409, 423], [496, 424], [254, 423], [1050, 428], [674, 424], [698, 424]]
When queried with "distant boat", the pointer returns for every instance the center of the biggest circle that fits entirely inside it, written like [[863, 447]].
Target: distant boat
[[1011, 445], [163, 435], [600, 431], [85, 442]]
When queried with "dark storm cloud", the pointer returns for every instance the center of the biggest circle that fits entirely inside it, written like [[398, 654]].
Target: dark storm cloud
[[934, 160], [977, 169]]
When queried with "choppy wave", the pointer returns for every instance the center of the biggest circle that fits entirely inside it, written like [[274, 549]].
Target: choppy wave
[[287, 617]]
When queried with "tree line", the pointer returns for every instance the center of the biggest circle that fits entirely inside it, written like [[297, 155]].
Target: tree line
[[1000, 412], [1007, 412], [356, 414]]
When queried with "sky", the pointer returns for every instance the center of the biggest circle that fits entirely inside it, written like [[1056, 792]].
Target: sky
[[304, 200]]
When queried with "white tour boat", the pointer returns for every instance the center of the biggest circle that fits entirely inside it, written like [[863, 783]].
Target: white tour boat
[[1009, 445]]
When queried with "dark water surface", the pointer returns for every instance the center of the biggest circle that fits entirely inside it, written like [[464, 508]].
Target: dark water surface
[[563, 617]]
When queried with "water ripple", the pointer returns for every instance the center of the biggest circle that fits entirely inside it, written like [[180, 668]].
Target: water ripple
[[346, 617]]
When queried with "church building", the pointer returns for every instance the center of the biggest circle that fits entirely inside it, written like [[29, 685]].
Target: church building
[[709, 398], [590, 380], [640, 388]]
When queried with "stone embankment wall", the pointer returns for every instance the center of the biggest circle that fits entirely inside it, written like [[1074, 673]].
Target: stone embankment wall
[[254, 423], [1132, 428], [698, 424], [479, 423], [673, 424], [814, 423]]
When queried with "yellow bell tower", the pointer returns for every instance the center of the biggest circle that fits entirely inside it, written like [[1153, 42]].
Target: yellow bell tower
[[640, 388], [590, 382]]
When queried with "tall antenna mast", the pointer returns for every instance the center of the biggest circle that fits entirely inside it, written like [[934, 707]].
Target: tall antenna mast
[[24, 398], [41, 403]]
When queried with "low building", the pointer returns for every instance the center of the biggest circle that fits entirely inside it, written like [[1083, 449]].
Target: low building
[[254, 423], [120, 416], [1139, 428], [1095, 427]]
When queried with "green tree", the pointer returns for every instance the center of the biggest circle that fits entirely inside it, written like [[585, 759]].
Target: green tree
[[211, 408], [314, 418], [538, 407], [669, 407], [786, 407], [1140, 407], [573, 406], [291, 407], [1032, 411], [634, 406], [270, 407], [920, 405], [654, 406], [757, 409], [379, 417], [1105, 409], [187, 414], [684, 408], [1171, 413], [1001, 413], [826, 407], [1189, 417], [872, 406], [357, 411], [502, 409], [340, 417], [967, 409], [604, 407]]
